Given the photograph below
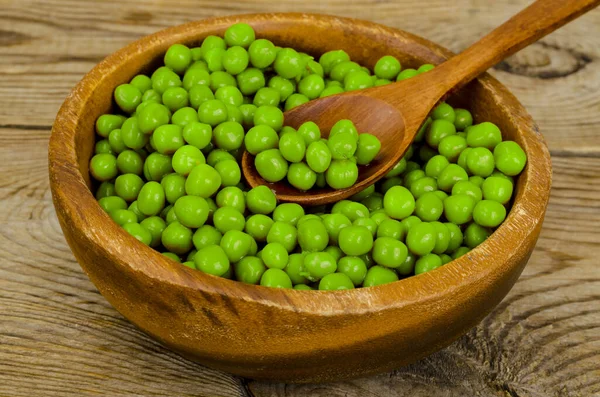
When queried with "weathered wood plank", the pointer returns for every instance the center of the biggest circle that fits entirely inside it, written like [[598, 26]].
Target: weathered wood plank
[[48, 45]]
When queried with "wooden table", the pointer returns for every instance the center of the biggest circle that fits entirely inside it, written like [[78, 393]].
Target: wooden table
[[59, 337]]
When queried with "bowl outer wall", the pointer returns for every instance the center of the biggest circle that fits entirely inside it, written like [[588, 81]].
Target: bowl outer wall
[[288, 335]]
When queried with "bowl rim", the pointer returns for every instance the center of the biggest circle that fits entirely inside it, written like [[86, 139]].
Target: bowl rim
[[71, 193]]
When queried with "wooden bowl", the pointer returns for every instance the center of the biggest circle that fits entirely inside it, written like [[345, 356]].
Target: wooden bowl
[[288, 335]]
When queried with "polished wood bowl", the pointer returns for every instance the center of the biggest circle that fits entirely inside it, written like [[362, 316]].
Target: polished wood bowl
[[288, 335]]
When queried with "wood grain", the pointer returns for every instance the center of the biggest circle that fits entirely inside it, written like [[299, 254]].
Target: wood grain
[[543, 340]]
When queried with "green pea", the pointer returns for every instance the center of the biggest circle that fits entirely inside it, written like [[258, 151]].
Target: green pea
[[311, 86], [203, 181], [485, 134], [458, 209], [442, 237], [450, 175], [452, 146], [105, 189], [232, 196], [151, 117], [112, 203], [406, 74], [250, 81], [497, 189], [429, 207], [155, 225], [230, 172], [460, 252], [443, 111], [164, 78], [312, 236], [438, 130], [205, 236], [217, 155], [249, 270], [354, 268], [228, 218], [476, 180], [103, 166], [475, 234], [128, 186], [196, 77], [363, 194], [122, 217], [319, 264], [408, 266], [147, 97], [138, 231], [355, 240], [480, 162], [350, 209], [331, 58], [151, 198], [391, 228], [157, 166], [177, 238], [212, 112], [427, 263], [212, 259], [271, 165], [289, 213], [167, 138], [107, 123], [284, 233], [103, 146], [421, 238], [275, 278], [422, 186], [178, 57], [288, 63], [510, 158], [367, 149], [184, 116], [318, 156], [398, 202], [463, 119], [260, 138], [199, 94], [258, 226], [409, 222], [468, 188], [341, 174], [292, 146], [398, 169], [175, 98], [269, 115], [239, 34], [301, 176], [172, 256], [283, 86], [186, 158], [425, 153], [387, 67], [378, 275], [413, 176], [335, 281], [389, 252], [261, 200], [339, 71], [489, 213], [142, 83], [295, 100]]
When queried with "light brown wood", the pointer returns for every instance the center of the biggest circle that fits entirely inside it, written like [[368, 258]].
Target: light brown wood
[[296, 336], [395, 112], [542, 342]]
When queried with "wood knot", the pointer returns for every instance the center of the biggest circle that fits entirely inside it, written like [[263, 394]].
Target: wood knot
[[137, 17], [9, 38], [544, 61]]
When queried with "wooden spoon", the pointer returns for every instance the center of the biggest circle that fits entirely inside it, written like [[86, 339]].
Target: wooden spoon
[[395, 112]]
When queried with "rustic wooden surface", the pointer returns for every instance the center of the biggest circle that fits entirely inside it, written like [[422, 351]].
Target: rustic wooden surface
[[59, 337]]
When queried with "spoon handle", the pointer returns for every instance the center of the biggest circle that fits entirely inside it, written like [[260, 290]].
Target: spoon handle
[[534, 22]]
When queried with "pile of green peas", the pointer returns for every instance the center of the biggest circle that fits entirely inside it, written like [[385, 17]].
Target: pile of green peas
[[168, 172]]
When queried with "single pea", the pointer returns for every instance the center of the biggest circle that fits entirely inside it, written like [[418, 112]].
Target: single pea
[[230, 95], [105, 189], [212, 112], [351, 209], [147, 97], [288, 63], [452, 146], [157, 166], [468, 188], [235, 60], [342, 146], [398, 202], [250, 81], [163, 78], [413, 176], [269, 115], [355, 240], [389, 252], [247, 110], [295, 100], [441, 194], [177, 238], [170, 216], [476, 234], [363, 194], [429, 207], [387, 67], [341, 174], [408, 266], [175, 98], [172, 256], [398, 169], [205, 236], [459, 209], [151, 198], [284, 233], [128, 186], [426, 153], [353, 267], [367, 149], [292, 147], [150, 118], [497, 189], [141, 82], [167, 138], [406, 74], [289, 213], [335, 282], [443, 111], [239, 34], [489, 213], [107, 123], [139, 232], [260, 138], [127, 97], [367, 223], [275, 278], [425, 68], [301, 176], [344, 126], [462, 158], [134, 208], [275, 256], [122, 217], [111, 203], [421, 238], [178, 57], [217, 155], [229, 135], [463, 119], [249, 270], [312, 236], [311, 86], [391, 228], [450, 175], [115, 142], [500, 174], [103, 166], [422, 186], [456, 236], [318, 156], [283, 86], [214, 60], [230, 172], [232, 196], [476, 180], [427, 263], [271, 165], [460, 252], [438, 130], [409, 222], [262, 53], [258, 226], [445, 258], [295, 268], [510, 158], [485, 134], [191, 211], [319, 264], [334, 224], [184, 116], [331, 58], [236, 245], [194, 77], [212, 259], [307, 217], [199, 94], [155, 225], [212, 42], [339, 71], [442, 237], [228, 218], [378, 275], [480, 162], [261, 200], [267, 96], [186, 158]]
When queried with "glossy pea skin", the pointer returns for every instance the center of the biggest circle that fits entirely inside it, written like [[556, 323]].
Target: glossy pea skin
[[177, 238], [378, 275], [443, 111], [510, 158], [266, 96], [292, 147], [476, 180], [105, 189], [275, 278], [318, 156], [341, 174], [389, 252], [249, 270], [191, 211], [456, 236], [288, 63], [335, 281], [271, 165], [275, 256], [194, 77], [103, 166], [212, 112], [228, 218], [353, 267], [463, 119], [342, 146], [122, 217], [398, 202], [497, 189], [205, 236], [178, 57], [250, 81], [427, 263], [480, 162], [422, 186], [391, 228], [301, 176], [295, 268], [489, 213], [239, 34], [229, 135], [184, 116], [450, 175], [387, 67], [186, 158], [468, 188], [198, 94], [261, 200], [311, 86], [284, 233], [262, 53], [429, 207], [212, 260], [438, 130], [127, 97], [334, 223], [236, 245], [235, 60], [452, 146], [475, 234], [289, 213], [319, 264], [350, 209], [260, 138], [157, 166], [458, 208], [128, 186], [167, 138], [367, 149], [331, 58], [231, 196], [442, 239], [421, 238], [355, 240], [164, 78], [139, 232], [112, 203], [485, 134], [269, 115], [151, 198], [203, 181], [312, 236]]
